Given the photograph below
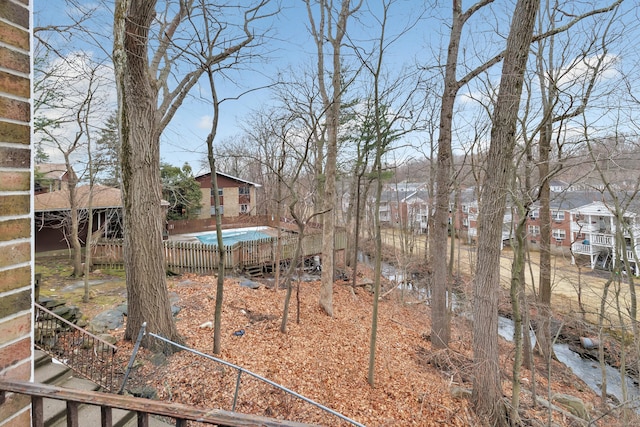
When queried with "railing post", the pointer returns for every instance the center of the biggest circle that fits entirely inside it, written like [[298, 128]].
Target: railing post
[[136, 347], [235, 394]]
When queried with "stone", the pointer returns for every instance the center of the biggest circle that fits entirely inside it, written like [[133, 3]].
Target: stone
[[175, 310], [123, 308], [144, 392], [158, 359], [108, 338], [573, 404], [107, 320], [250, 284]]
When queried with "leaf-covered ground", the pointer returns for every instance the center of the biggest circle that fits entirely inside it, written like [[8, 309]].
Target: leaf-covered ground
[[326, 359]]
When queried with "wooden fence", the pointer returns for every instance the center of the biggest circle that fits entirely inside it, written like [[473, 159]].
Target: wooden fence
[[196, 257]]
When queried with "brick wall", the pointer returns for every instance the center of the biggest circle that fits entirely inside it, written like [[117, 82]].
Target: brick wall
[[15, 207]]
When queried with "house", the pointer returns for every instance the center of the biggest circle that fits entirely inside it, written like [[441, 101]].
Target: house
[[237, 196], [51, 215], [51, 177], [593, 234]]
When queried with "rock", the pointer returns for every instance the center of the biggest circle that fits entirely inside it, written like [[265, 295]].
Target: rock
[[145, 392], [173, 298], [158, 359], [108, 338], [50, 303], [68, 313], [574, 404], [107, 320], [175, 310], [123, 308], [250, 284]]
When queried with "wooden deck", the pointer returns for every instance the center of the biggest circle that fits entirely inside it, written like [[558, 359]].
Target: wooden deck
[[196, 257]]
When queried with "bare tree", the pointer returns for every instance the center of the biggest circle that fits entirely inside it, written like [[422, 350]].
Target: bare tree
[[148, 100], [329, 27], [67, 109], [487, 389], [440, 318]]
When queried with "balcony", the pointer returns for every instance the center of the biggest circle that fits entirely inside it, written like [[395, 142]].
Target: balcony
[[582, 249]]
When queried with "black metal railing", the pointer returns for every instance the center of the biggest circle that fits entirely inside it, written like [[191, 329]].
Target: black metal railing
[[80, 350], [234, 388]]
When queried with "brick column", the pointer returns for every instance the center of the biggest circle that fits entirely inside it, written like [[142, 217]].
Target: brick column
[[16, 238]]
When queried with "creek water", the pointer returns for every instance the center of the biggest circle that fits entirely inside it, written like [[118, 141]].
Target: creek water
[[586, 369]]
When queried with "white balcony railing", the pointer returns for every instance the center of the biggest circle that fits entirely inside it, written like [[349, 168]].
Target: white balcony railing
[[580, 248]]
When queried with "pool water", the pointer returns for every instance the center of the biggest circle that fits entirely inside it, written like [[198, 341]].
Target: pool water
[[231, 237]]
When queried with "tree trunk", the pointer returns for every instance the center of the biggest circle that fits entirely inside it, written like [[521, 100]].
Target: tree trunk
[[487, 390], [74, 220], [141, 189], [544, 291], [440, 322]]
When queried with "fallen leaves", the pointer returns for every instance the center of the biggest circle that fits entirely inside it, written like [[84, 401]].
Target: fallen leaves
[[324, 359]]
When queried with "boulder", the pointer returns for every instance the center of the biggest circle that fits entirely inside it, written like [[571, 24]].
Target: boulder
[[107, 320], [573, 404], [69, 313], [250, 284], [108, 338], [123, 308]]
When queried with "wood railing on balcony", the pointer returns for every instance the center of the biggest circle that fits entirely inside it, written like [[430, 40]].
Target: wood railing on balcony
[[143, 407]]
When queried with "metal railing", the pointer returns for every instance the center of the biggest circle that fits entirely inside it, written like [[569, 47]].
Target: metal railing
[[80, 350], [144, 408], [228, 382]]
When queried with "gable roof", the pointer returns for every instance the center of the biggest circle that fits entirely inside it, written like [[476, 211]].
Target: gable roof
[[235, 178], [52, 170], [103, 197]]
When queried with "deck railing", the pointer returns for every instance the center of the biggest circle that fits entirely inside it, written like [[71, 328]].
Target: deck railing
[[83, 352], [196, 257], [143, 407]]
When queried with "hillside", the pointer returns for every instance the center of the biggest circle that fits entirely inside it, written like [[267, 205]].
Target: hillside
[[326, 359]]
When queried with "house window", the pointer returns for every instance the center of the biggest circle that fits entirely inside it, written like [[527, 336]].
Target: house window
[[465, 222], [559, 234], [558, 215], [243, 191], [244, 208], [534, 230], [213, 210], [220, 192], [465, 208], [534, 214]]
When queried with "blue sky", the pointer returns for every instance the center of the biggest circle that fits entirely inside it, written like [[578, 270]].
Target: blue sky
[[290, 49]]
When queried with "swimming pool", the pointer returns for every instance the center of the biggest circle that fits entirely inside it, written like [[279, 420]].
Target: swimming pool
[[231, 237]]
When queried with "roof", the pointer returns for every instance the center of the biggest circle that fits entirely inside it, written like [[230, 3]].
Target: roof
[[235, 178], [52, 170], [103, 197]]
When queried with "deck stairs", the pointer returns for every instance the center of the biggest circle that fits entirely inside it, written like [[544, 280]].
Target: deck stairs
[[49, 371]]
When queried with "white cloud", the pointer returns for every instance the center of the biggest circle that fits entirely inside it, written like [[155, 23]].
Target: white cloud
[[204, 122], [74, 95]]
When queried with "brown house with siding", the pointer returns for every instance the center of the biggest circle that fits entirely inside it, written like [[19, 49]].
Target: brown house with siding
[[52, 216], [237, 196]]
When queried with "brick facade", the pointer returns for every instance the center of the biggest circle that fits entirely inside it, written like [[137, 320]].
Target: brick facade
[[16, 239]]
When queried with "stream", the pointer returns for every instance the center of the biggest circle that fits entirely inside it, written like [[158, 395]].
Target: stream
[[586, 369]]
